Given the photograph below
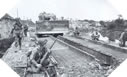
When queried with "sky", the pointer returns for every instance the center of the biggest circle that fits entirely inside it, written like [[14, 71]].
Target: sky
[[75, 9]]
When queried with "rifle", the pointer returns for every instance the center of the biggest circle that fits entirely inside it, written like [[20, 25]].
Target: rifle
[[53, 44], [48, 53]]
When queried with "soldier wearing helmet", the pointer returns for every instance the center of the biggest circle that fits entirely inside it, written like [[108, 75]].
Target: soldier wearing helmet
[[17, 32], [123, 38], [25, 30], [39, 58]]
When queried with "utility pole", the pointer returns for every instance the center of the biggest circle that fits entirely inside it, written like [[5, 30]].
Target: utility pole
[[17, 13], [24, 17]]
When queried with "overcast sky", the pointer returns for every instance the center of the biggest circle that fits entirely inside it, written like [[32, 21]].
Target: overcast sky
[[76, 9]]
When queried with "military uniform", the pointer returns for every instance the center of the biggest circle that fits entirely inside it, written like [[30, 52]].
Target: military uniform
[[123, 38], [25, 30], [39, 61], [76, 33], [95, 36], [17, 32], [36, 56]]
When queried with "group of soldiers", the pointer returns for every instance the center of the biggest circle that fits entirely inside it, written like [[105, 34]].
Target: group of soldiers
[[96, 35], [38, 58], [122, 37]]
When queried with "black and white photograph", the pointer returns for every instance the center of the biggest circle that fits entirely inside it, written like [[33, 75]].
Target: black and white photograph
[[63, 38]]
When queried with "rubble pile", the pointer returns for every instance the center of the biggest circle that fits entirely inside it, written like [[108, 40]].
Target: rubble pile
[[5, 28], [6, 25], [16, 58], [91, 70]]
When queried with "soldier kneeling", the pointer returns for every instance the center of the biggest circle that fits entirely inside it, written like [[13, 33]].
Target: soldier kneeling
[[39, 59], [95, 36]]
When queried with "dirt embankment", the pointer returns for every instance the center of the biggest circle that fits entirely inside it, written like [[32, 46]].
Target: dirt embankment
[[5, 39], [5, 44]]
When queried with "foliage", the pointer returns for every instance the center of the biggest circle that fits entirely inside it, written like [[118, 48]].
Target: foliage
[[112, 25], [102, 23], [119, 21]]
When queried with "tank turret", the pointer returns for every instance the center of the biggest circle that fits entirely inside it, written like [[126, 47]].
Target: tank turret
[[46, 16]]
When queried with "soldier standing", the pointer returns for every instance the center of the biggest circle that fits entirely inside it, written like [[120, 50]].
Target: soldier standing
[[17, 33], [123, 38], [25, 28], [76, 32]]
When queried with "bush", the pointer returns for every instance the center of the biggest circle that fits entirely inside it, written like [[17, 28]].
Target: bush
[[111, 26]]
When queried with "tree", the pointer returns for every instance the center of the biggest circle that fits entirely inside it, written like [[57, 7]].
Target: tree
[[119, 20], [111, 25], [120, 16], [102, 23]]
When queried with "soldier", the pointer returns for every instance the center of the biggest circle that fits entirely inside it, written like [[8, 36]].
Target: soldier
[[17, 32], [95, 35], [76, 33], [123, 38], [38, 58], [25, 28]]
